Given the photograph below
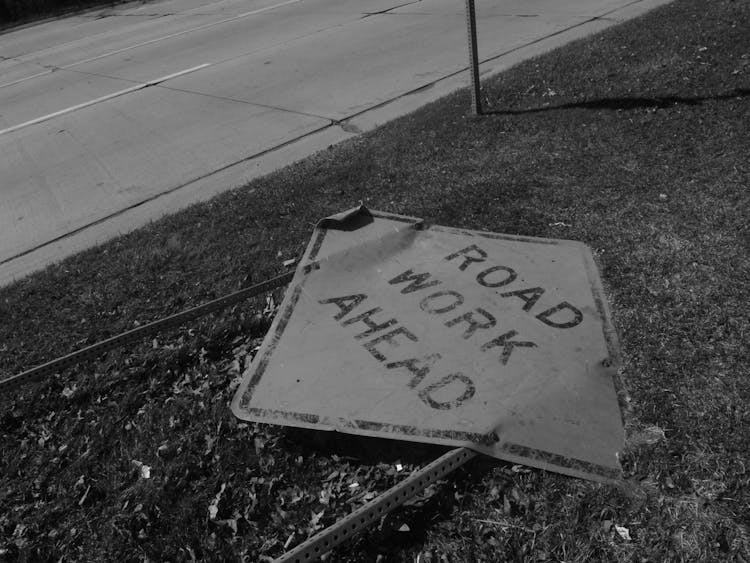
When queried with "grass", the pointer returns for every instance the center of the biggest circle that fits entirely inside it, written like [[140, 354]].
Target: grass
[[634, 141], [16, 12]]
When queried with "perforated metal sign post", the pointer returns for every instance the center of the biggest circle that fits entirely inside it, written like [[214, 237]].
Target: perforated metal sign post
[[394, 328], [314, 547]]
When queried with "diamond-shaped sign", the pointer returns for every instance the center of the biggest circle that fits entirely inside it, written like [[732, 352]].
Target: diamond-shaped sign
[[394, 328]]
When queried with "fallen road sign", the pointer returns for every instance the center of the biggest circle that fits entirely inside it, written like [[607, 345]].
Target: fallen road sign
[[398, 329]]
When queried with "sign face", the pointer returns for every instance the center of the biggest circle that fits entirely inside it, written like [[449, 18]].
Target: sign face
[[396, 329]]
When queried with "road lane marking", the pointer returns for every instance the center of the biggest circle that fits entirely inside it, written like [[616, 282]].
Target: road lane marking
[[101, 99], [24, 79], [149, 42], [178, 33]]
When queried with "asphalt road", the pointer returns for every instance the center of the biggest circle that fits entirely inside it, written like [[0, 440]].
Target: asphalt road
[[114, 117]]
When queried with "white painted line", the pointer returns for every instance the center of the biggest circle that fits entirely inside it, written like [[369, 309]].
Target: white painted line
[[101, 99], [155, 40], [177, 34], [176, 74], [25, 78]]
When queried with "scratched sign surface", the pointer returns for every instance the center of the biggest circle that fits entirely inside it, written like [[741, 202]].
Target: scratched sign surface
[[397, 329]]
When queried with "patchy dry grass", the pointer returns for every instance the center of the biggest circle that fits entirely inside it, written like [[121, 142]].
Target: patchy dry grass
[[634, 141], [16, 12]]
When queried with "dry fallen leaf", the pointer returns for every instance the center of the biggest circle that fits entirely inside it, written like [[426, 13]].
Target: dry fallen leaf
[[315, 521], [213, 508], [145, 470], [623, 532]]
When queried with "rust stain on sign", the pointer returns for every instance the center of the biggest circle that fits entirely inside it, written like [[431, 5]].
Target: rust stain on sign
[[396, 329]]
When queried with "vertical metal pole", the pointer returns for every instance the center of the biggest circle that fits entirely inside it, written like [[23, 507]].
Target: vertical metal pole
[[471, 24]]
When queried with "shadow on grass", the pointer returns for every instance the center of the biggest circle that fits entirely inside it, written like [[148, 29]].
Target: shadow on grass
[[659, 102], [362, 448]]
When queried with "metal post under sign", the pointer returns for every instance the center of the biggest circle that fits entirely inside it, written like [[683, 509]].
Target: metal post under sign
[[313, 548], [471, 26]]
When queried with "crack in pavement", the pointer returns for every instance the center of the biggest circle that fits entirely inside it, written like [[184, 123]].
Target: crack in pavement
[[368, 14], [18, 59], [257, 104]]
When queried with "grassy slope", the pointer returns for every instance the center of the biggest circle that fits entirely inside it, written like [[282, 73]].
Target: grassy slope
[[17, 12], [636, 138]]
